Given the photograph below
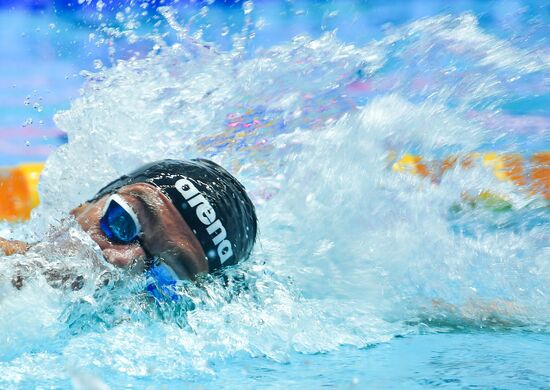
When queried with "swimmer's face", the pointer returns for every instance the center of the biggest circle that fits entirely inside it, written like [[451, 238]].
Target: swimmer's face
[[164, 233]]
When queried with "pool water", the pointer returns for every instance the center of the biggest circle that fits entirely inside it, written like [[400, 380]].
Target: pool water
[[362, 277]]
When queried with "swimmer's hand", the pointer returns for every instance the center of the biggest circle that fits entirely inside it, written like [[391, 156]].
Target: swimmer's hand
[[12, 247]]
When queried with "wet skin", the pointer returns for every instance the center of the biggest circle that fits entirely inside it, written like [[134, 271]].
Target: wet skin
[[164, 232]]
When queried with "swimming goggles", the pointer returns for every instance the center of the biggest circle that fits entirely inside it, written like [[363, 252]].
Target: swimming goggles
[[121, 225], [119, 222]]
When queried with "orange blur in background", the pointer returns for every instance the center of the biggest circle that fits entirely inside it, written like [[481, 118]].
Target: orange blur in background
[[531, 175], [19, 195], [18, 191]]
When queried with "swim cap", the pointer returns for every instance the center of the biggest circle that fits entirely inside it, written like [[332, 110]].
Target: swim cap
[[210, 200]]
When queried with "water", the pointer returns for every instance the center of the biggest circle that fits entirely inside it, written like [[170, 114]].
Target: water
[[362, 277]]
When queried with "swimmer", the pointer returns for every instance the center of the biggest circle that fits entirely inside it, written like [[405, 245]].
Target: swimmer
[[171, 219]]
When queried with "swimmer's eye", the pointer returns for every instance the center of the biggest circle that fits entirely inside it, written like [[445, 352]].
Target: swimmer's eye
[[119, 222]]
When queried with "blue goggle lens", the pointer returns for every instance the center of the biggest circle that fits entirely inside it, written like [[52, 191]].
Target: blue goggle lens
[[118, 225]]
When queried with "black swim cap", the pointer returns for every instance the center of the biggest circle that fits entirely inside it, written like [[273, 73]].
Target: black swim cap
[[210, 200]]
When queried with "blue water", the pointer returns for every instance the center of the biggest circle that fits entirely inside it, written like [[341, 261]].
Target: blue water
[[464, 361], [362, 277]]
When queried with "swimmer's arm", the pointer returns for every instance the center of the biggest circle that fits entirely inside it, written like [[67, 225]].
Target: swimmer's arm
[[12, 247]]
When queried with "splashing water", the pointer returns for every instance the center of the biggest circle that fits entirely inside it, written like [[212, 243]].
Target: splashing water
[[349, 252]]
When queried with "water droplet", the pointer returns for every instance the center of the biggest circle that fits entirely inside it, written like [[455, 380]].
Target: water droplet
[[248, 7], [225, 31], [98, 64], [37, 107], [28, 143], [119, 17], [27, 122], [260, 24], [198, 34], [99, 5], [51, 26], [27, 101], [131, 25]]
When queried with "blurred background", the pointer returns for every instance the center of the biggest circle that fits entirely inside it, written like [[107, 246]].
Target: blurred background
[[46, 45], [408, 175]]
